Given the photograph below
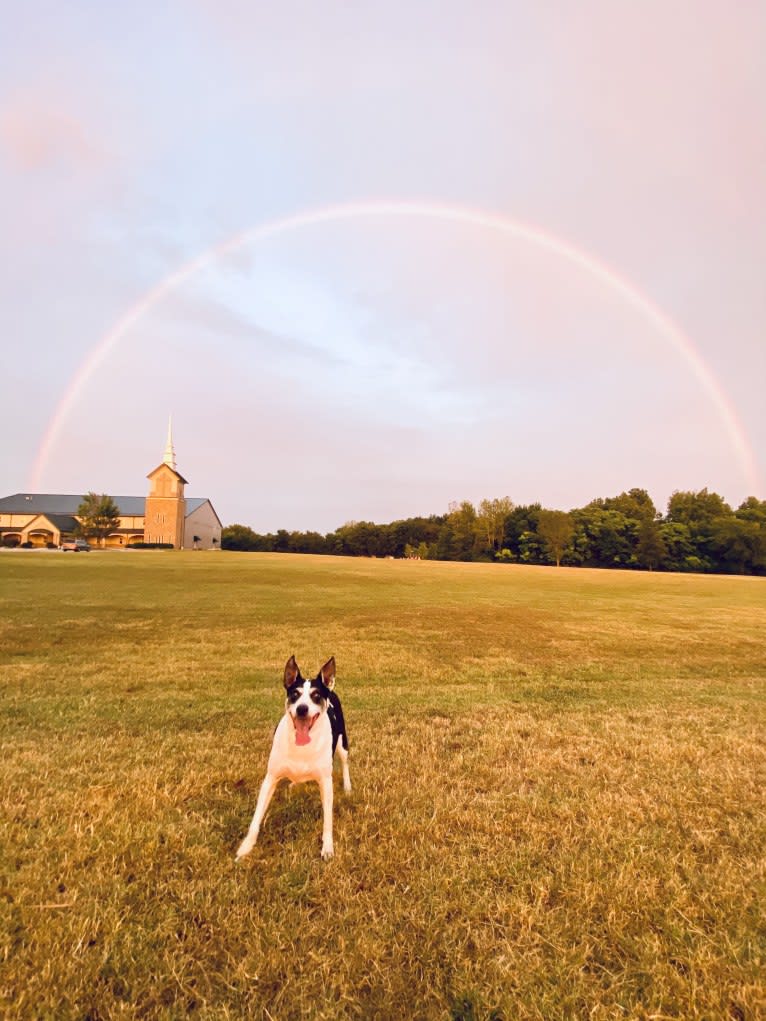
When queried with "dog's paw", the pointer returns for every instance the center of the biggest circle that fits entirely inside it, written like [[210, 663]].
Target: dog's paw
[[244, 849], [347, 786], [327, 853]]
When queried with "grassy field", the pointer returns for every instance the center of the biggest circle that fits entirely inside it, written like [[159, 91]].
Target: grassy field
[[558, 804]]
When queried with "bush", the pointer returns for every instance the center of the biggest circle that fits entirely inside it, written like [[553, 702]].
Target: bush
[[26, 545], [51, 545], [695, 564], [150, 545]]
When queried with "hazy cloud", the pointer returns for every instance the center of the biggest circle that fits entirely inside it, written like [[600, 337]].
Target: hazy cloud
[[388, 363]]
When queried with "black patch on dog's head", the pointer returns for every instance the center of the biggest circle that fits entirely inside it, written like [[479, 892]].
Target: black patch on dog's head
[[295, 691], [321, 685], [319, 689]]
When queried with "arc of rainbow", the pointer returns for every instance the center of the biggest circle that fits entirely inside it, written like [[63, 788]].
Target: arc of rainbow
[[627, 291]]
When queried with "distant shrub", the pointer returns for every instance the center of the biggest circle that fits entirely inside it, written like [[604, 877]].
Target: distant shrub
[[26, 545], [150, 545], [696, 564], [51, 545]]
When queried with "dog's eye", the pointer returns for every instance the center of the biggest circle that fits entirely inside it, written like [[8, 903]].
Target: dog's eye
[[293, 696], [316, 697]]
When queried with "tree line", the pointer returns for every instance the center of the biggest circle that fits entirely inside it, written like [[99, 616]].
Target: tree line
[[699, 532]]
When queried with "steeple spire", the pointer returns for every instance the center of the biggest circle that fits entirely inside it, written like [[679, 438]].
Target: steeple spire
[[170, 454]]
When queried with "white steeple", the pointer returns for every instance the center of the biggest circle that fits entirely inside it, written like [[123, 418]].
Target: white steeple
[[170, 454]]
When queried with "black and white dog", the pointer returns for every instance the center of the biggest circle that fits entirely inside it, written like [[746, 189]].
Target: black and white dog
[[304, 745]]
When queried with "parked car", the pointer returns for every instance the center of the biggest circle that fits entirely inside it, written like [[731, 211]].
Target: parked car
[[75, 545]]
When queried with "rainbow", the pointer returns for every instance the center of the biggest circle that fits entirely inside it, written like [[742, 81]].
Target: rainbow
[[644, 306]]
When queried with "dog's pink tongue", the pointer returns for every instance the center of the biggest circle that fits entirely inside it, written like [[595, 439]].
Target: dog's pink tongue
[[302, 735]]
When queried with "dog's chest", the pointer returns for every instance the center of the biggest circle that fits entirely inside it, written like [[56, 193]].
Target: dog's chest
[[301, 762]]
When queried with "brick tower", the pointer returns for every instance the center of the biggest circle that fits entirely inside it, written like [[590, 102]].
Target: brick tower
[[165, 505]]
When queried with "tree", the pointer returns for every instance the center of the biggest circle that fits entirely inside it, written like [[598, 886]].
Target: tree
[[702, 513], [650, 547], [306, 542], [520, 522], [752, 510], [424, 551], [737, 546], [556, 528], [679, 545], [636, 504], [98, 515], [532, 548], [604, 537], [700, 533], [697, 509], [490, 521], [359, 539], [239, 537], [458, 535]]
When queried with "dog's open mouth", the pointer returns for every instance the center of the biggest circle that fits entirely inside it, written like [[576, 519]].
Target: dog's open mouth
[[303, 725]]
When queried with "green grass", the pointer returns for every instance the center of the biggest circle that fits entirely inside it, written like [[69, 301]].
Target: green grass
[[557, 809]]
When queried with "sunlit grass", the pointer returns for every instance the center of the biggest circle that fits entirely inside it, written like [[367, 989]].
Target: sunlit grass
[[557, 807]]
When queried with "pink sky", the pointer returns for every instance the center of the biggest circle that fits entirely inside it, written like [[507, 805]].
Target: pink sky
[[383, 367]]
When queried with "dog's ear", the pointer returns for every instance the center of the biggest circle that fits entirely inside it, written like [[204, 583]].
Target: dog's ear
[[292, 672], [328, 673]]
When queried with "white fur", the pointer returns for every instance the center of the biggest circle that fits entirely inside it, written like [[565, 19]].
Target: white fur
[[300, 763]]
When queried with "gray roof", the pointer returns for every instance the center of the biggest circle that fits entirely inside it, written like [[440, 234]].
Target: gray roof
[[62, 503], [64, 522]]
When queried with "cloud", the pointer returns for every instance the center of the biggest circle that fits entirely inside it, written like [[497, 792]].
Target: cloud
[[198, 313], [38, 136]]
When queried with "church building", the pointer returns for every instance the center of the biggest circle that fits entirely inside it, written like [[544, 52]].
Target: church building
[[166, 515]]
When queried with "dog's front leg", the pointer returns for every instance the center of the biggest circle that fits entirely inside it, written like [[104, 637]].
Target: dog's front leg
[[268, 787], [325, 787]]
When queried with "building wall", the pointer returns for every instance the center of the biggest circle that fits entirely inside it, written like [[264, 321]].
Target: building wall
[[204, 523], [133, 522], [164, 521], [34, 528], [132, 530], [42, 532], [16, 520], [165, 508]]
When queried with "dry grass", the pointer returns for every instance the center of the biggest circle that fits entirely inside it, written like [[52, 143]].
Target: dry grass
[[557, 807]]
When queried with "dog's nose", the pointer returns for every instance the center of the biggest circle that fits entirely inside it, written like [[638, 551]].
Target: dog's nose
[[302, 710]]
